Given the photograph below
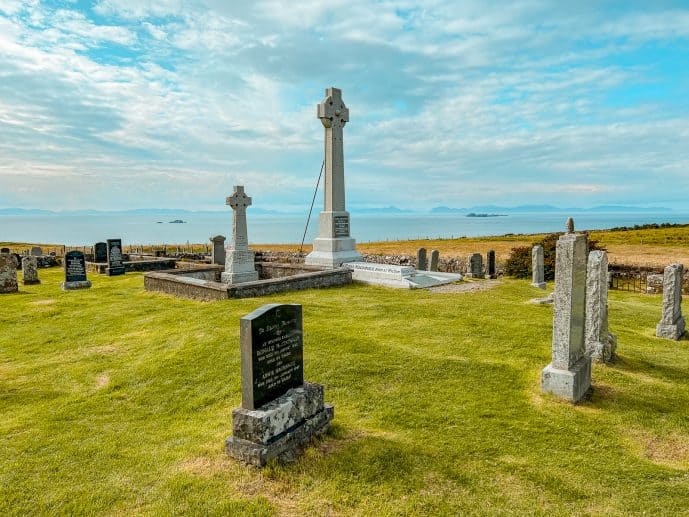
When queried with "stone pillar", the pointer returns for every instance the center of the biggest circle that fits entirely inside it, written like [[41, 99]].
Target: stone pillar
[[671, 325], [239, 263], [475, 266], [421, 260], [435, 258], [30, 270], [8, 273], [218, 255], [600, 343], [333, 246], [537, 268], [569, 374], [490, 265]]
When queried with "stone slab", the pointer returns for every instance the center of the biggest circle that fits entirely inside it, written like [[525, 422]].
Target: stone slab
[[573, 385], [285, 448], [70, 286], [402, 277]]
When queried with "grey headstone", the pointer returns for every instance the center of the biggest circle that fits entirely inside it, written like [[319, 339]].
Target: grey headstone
[[218, 255], [600, 343], [490, 265], [672, 324], [569, 374], [435, 258], [239, 262], [537, 267], [8, 273], [36, 251], [475, 265], [421, 259], [115, 259], [30, 270]]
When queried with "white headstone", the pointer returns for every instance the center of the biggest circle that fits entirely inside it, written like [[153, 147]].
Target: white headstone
[[538, 273], [333, 246], [239, 263]]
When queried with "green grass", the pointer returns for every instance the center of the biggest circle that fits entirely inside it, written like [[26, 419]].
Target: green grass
[[118, 401]]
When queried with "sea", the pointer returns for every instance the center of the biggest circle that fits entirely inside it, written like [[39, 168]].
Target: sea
[[81, 230]]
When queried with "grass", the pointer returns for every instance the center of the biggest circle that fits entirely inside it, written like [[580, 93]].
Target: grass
[[118, 401]]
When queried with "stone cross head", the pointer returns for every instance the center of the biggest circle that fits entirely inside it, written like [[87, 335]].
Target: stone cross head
[[570, 225], [332, 111], [238, 199]]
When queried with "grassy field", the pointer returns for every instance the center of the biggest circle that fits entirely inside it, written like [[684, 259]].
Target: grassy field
[[117, 401]]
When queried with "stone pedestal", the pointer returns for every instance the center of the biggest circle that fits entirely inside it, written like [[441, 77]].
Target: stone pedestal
[[537, 267], [70, 286], [334, 245], [569, 374], [30, 270], [280, 429], [672, 325], [239, 267]]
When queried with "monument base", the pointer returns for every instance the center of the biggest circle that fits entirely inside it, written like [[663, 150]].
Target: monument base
[[70, 286], [573, 384], [671, 331], [114, 271], [605, 352], [280, 429], [332, 253], [238, 278], [31, 282], [540, 285]]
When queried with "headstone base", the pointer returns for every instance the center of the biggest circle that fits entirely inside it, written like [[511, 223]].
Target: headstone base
[[332, 253], [605, 352], [671, 331], [573, 385], [70, 286], [540, 285], [280, 429], [31, 282], [238, 278], [114, 271]]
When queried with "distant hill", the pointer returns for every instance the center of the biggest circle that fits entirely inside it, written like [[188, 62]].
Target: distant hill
[[381, 210], [448, 210]]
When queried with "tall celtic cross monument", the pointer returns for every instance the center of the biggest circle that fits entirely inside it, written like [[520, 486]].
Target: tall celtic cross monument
[[333, 246], [239, 262]]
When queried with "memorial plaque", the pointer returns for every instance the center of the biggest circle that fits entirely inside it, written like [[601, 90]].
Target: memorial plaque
[[341, 224], [115, 264], [75, 267], [100, 252], [271, 353]]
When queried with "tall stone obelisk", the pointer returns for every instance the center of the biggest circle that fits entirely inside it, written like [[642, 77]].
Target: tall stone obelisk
[[333, 246]]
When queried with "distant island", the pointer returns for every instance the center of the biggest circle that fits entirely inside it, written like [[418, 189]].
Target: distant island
[[473, 214], [177, 221]]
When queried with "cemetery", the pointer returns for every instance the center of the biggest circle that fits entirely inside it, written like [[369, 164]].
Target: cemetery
[[340, 382]]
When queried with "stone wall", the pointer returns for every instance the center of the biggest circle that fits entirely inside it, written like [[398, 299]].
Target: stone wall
[[155, 264]]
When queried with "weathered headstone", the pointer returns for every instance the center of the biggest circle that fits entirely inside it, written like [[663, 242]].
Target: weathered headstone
[[100, 252], [435, 258], [475, 265], [36, 251], [280, 412], [490, 265], [537, 267], [239, 262], [334, 245], [30, 270], [671, 325], [75, 271], [600, 343], [8, 273], [218, 255], [569, 374], [115, 259], [4, 250], [421, 259]]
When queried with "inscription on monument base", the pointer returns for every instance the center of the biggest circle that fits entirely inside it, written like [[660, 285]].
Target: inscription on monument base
[[341, 226]]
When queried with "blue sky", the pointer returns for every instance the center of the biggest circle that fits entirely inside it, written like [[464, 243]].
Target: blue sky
[[117, 104]]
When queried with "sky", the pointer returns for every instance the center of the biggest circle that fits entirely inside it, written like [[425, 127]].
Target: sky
[[120, 104]]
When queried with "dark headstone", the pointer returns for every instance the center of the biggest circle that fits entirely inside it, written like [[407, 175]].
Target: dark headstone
[[435, 258], [4, 250], [490, 264], [100, 252], [75, 267], [115, 260], [271, 353], [421, 259], [18, 259]]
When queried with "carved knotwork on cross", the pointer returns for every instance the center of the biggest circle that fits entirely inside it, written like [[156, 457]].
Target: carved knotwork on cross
[[238, 199], [332, 111]]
